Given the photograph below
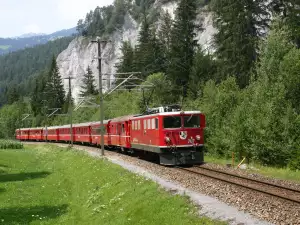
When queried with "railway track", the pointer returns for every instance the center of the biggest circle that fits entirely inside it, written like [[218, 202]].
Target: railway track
[[278, 191]]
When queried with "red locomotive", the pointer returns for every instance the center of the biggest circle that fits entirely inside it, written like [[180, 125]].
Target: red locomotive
[[177, 137]]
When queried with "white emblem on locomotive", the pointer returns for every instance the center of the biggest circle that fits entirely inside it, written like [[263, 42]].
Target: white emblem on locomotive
[[183, 135]]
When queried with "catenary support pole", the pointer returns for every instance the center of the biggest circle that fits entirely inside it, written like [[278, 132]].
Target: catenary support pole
[[70, 110], [101, 94]]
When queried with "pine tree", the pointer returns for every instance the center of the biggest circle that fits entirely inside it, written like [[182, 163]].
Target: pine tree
[[54, 90], [12, 95], [148, 57], [80, 27], [37, 95], [239, 25], [204, 69], [289, 12], [88, 87], [126, 61], [183, 43], [165, 31]]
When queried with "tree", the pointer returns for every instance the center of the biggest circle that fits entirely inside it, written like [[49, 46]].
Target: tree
[[148, 56], [204, 69], [183, 43], [88, 87], [54, 90], [37, 101], [80, 27], [165, 31], [239, 25], [12, 95], [126, 61], [289, 12]]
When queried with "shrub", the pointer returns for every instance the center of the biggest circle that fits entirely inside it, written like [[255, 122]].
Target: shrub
[[10, 144], [295, 161]]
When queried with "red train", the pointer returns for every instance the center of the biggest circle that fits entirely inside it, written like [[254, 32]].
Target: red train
[[177, 137]]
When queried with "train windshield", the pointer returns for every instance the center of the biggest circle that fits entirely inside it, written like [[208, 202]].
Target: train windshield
[[172, 122], [192, 121]]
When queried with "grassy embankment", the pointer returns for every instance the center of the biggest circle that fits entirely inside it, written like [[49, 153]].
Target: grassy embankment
[[279, 173], [50, 185]]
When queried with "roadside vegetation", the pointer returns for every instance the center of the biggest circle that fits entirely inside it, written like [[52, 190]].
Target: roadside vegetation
[[50, 185], [10, 144]]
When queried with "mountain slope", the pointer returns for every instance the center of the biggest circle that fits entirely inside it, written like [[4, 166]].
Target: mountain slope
[[27, 40], [17, 68]]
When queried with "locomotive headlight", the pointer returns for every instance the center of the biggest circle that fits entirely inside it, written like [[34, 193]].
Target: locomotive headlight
[[167, 139], [198, 137]]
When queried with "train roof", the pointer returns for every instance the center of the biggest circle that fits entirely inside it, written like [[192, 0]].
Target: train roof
[[123, 118], [167, 114], [96, 123]]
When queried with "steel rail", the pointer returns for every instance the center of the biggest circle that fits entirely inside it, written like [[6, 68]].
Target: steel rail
[[251, 179], [238, 184]]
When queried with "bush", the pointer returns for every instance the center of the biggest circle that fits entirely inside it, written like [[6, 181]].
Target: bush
[[10, 144], [295, 161]]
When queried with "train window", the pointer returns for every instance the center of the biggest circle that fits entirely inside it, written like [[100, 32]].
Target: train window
[[172, 122], [149, 124], [134, 125], [153, 123], [192, 121], [123, 128], [145, 124]]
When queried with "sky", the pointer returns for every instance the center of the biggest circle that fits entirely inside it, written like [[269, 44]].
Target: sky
[[18, 17]]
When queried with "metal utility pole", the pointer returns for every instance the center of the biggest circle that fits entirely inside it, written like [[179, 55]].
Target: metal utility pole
[[70, 109], [101, 93]]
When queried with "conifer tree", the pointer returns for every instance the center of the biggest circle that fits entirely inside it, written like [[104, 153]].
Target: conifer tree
[[88, 87], [239, 25], [126, 61], [54, 90], [12, 95], [148, 56], [183, 43], [37, 95], [289, 12], [165, 31]]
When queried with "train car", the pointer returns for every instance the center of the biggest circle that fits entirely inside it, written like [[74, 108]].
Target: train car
[[53, 133], [96, 133], [35, 134], [177, 137], [119, 132], [64, 133], [22, 134], [82, 133]]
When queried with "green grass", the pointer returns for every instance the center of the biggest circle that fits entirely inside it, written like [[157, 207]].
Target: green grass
[[49, 185], [278, 173], [10, 144], [5, 47]]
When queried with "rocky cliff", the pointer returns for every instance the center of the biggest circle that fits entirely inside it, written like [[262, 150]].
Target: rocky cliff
[[81, 52]]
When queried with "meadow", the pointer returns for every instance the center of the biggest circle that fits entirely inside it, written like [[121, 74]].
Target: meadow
[[43, 184]]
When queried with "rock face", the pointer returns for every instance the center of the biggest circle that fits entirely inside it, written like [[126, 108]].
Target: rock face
[[81, 53]]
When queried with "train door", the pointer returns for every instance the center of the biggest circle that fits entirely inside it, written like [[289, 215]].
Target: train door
[[108, 133], [119, 133]]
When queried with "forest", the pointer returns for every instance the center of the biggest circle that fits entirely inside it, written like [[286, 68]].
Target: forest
[[248, 87]]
